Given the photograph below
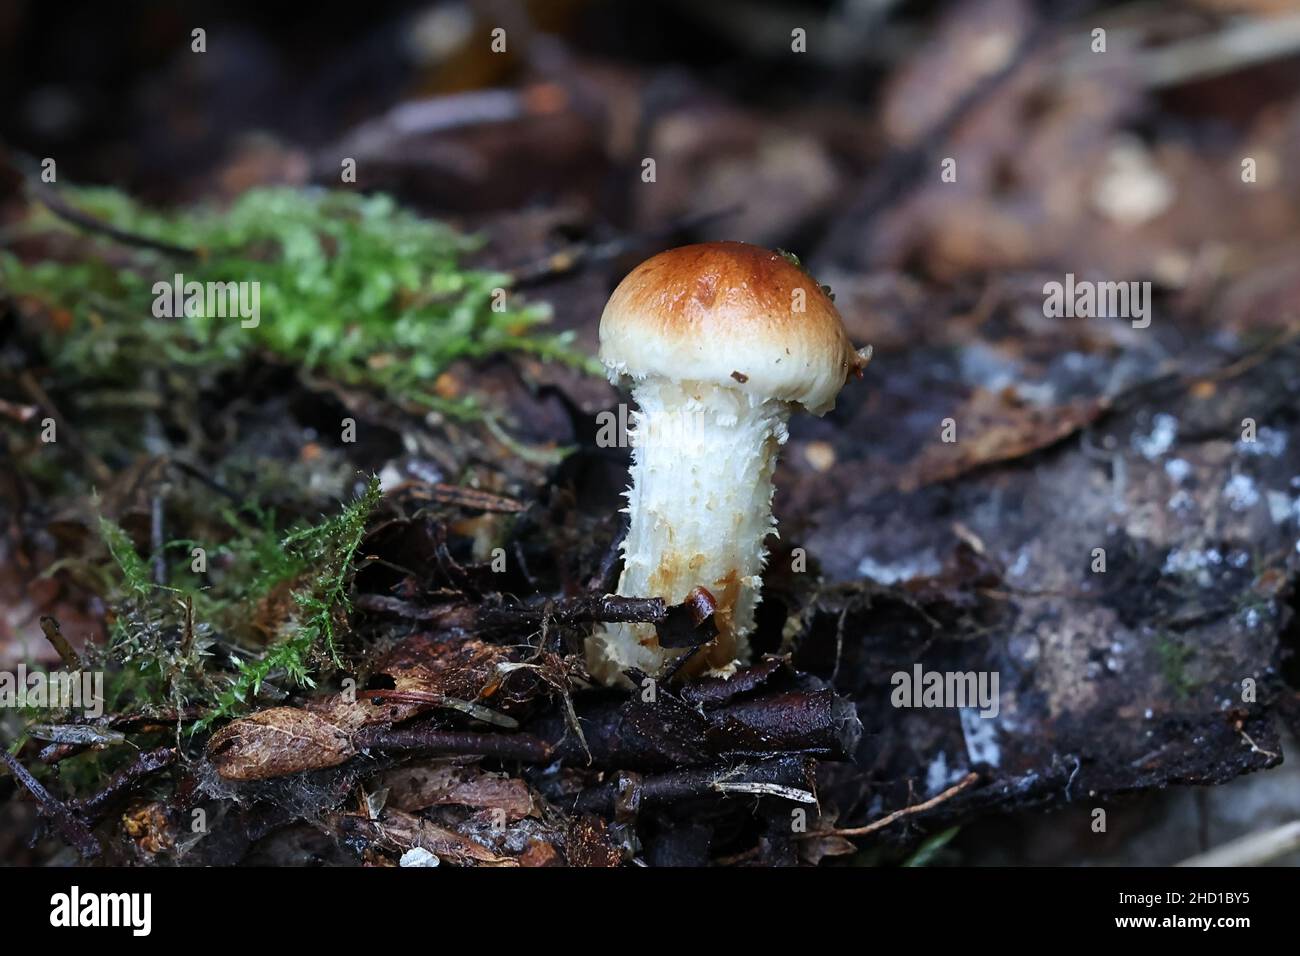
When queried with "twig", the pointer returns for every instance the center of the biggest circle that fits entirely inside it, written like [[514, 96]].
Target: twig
[[80, 735], [54, 635], [817, 721], [433, 740], [458, 496], [1252, 850], [196, 473], [469, 708], [583, 254], [1256, 748], [1285, 338], [684, 732], [66, 822], [965, 783], [1236, 47], [788, 777], [603, 608], [95, 806], [56, 204], [709, 692], [137, 721], [385, 136]]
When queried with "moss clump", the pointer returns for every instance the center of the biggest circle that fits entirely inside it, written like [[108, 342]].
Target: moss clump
[[162, 636], [349, 285], [328, 550]]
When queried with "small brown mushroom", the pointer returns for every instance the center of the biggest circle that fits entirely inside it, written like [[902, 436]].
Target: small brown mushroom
[[720, 343]]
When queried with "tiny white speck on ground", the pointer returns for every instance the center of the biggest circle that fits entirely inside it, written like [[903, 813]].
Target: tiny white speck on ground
[[1241, 492], [1268, 442], [1164, 432], [981, 737]]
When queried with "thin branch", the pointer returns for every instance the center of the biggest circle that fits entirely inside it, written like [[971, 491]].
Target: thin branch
[[965, 783], [585, 254], [585, 609], [56, 204], [458, 496], [69, 825], [433, 740], [788, 777], [124, 781], [54, 634], [1237, 47]]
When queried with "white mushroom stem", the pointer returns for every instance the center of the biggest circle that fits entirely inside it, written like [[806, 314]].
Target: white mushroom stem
[[700, 509]]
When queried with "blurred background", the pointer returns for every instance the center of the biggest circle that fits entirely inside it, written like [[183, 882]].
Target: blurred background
[[1162, 148]]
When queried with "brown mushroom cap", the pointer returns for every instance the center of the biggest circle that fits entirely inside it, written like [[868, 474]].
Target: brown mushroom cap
[[725, 313]]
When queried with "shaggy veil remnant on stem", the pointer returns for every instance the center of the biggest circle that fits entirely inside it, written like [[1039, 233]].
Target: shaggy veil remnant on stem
[[720, 343]]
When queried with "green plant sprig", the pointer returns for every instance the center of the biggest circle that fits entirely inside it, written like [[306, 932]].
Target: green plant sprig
[[331, 547]]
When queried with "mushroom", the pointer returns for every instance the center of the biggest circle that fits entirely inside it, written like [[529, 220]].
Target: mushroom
[[720, 342]]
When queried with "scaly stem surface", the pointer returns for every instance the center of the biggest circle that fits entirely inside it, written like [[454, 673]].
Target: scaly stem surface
[[700, 509]]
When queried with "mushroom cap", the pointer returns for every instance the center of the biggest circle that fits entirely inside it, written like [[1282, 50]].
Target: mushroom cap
[[725, 313]]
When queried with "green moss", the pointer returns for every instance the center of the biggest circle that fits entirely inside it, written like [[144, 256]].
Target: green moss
[[329, 550], [161, 637], [135, 576], [349, 285], [155, 635], [1174, 657]]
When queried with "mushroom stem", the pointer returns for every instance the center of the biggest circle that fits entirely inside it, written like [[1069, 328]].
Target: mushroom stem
[[700, 508]]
